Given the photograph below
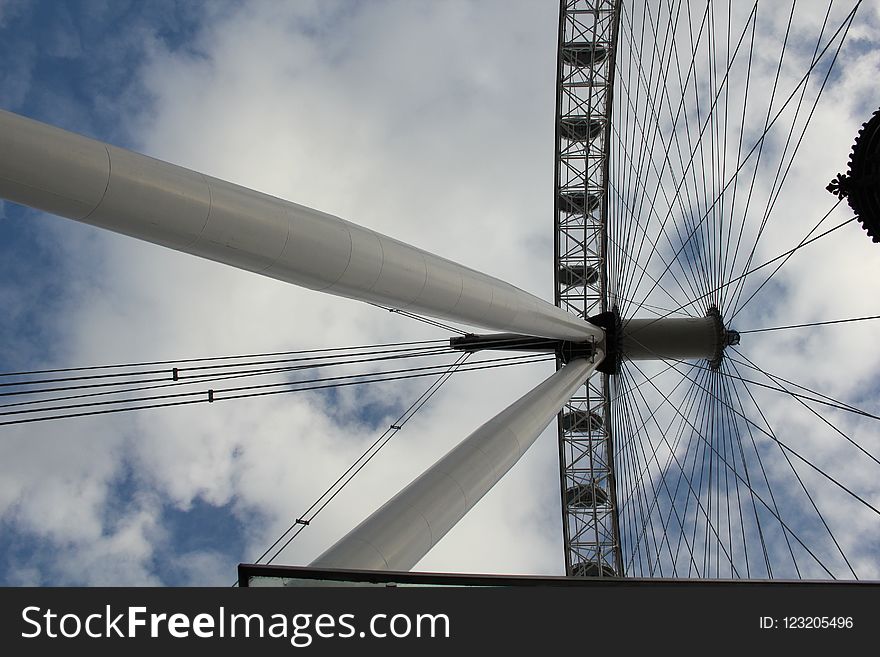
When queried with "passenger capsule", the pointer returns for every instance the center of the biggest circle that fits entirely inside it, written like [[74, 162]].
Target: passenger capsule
[[583, 54], [578, 202], [592, 569], [585, 496], [581, 421], [578, 275], [580, 128]]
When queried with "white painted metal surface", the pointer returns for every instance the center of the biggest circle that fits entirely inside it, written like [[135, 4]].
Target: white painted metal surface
[[76, 177], [406, 527], [675, 338]]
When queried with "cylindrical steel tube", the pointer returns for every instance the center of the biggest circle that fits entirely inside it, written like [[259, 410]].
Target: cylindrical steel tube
[[402, 531], [672, 338], [76, 177]]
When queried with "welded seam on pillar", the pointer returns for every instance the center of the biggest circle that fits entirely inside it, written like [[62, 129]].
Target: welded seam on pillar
[[106, 186]]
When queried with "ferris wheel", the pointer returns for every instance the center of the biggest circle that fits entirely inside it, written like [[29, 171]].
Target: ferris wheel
[[697, 437], [678, 128]]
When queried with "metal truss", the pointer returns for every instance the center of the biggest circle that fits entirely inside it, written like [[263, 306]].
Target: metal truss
[[585, 74]]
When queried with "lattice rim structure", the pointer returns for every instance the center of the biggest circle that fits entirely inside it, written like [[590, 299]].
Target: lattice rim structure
[[586, 47]]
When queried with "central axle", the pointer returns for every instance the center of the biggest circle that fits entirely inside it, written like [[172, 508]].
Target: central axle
[[663, 338]]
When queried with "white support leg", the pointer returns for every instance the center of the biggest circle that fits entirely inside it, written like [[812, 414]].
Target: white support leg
[[406, 527], [76, 177]]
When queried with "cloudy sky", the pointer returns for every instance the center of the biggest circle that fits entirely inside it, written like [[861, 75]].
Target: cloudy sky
[[771, 47], [428, 121]]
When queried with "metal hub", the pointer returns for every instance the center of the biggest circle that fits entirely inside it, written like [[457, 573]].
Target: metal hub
[[664, 338]]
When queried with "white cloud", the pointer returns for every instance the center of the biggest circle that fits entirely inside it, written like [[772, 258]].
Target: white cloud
[[431, 122]]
